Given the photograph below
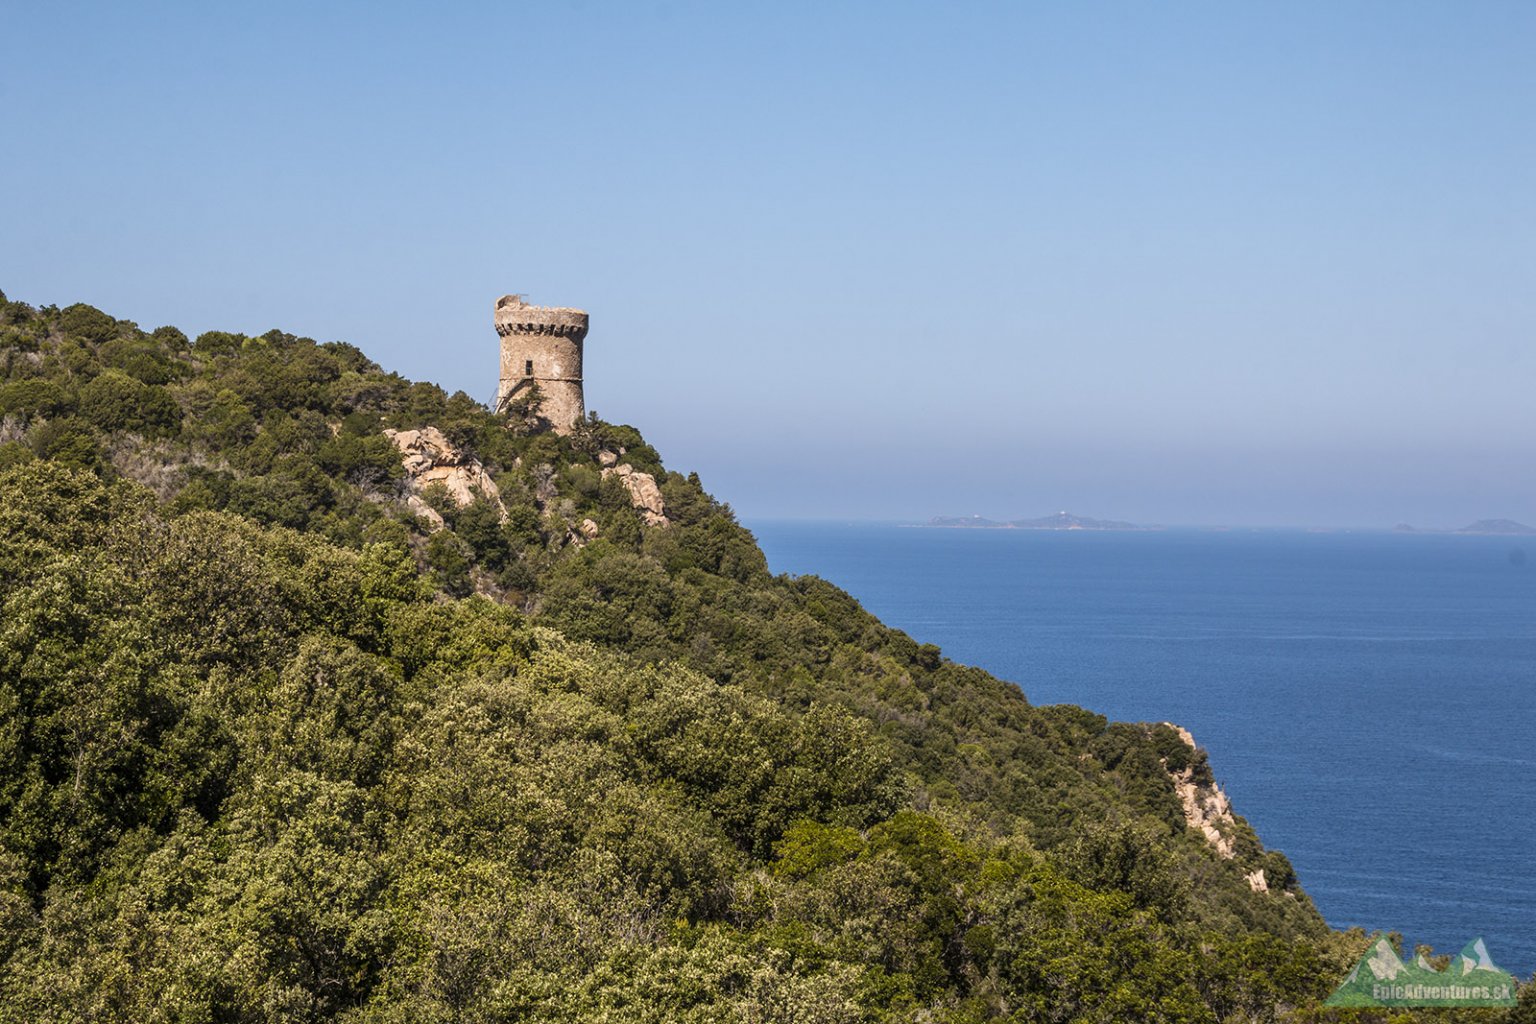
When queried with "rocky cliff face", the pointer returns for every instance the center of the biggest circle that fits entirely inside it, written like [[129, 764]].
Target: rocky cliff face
[[1208, 811], [644, 494], [1206, 808], [430, 458]]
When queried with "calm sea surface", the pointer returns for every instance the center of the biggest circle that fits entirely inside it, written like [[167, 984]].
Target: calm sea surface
[[1368, 699]]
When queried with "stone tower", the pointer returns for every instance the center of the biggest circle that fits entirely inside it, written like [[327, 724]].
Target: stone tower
[[542, 345]]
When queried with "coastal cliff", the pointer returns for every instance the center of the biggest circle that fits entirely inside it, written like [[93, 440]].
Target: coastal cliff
[[329, 695], [1208, 812]]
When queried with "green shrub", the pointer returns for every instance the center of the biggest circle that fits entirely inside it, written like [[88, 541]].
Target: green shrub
[[218, 343], [171, 339], [87, 323], [38, 396], [141, 360], [68, 440], [450, 559], [115, 401]]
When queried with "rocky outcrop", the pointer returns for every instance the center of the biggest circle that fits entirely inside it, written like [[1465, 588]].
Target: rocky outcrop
[[430, 458], [1206, 808], [1208, 811], [644, 494]]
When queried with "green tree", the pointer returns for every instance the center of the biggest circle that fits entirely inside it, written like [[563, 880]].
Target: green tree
[[450, 559], [68, 441], [37, 396], [116, 401], [87, 323]]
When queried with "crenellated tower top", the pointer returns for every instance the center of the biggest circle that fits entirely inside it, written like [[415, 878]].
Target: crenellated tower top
[[514, 316]]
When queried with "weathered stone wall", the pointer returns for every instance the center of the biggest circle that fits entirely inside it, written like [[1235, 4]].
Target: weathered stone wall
[[543, 345]]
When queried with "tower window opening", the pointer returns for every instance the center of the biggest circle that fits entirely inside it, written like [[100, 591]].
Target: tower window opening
[[528, 368]]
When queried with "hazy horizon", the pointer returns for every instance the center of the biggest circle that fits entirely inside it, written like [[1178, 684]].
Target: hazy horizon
[[1416, 528], [1258, 265]]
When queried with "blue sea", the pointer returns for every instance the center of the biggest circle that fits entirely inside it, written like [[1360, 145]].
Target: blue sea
[[1368, 699]]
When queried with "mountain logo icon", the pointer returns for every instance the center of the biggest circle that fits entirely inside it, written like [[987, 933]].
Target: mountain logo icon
[[1380, 978]]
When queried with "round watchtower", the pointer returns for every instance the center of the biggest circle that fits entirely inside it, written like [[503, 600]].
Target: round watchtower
[[542, 345]]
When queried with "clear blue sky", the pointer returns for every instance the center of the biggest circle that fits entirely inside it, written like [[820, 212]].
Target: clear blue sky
[[1267, 263]]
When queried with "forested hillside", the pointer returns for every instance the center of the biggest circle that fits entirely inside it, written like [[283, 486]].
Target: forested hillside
[[277, 746]]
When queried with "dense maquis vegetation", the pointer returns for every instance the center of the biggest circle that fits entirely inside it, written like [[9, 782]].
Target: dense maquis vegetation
[[273, 749]]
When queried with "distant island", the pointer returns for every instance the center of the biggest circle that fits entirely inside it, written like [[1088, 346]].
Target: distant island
[[1068, 521], [1483, 528], [1059, 521], [1499, 527]]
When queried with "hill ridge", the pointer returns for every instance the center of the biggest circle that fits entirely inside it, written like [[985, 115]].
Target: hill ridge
[[288, 742]]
